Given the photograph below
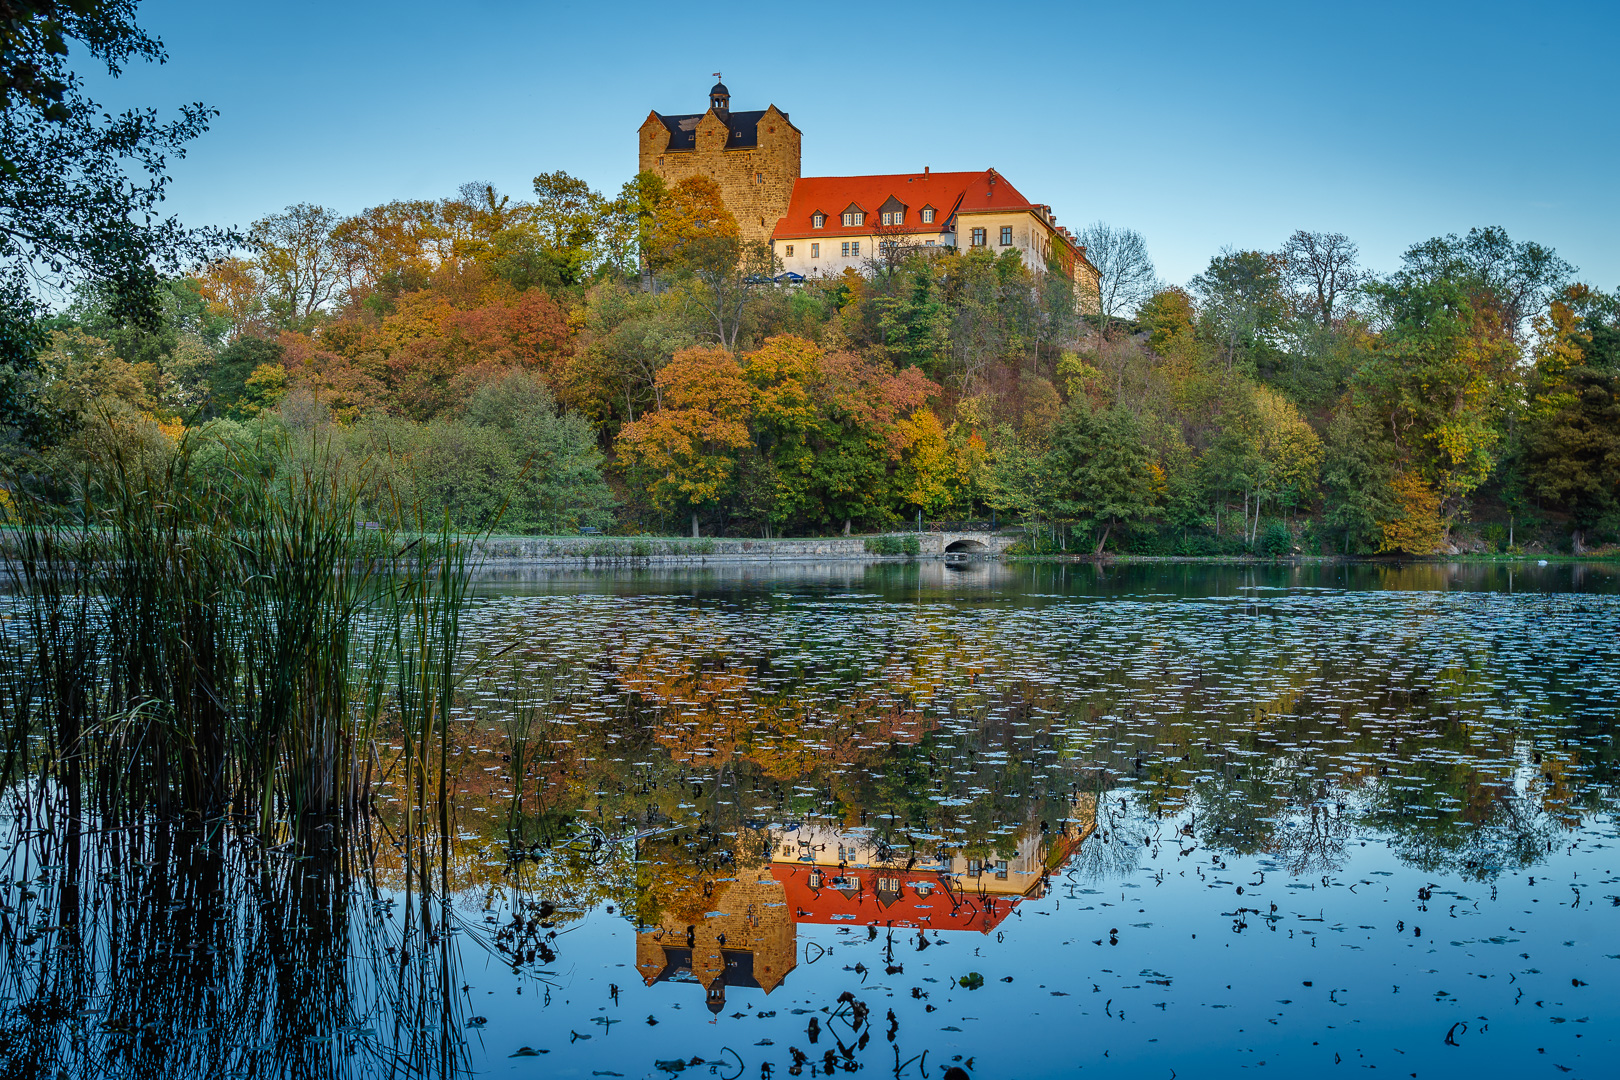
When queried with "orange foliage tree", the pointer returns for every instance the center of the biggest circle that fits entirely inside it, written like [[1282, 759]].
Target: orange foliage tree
[[686, 452]]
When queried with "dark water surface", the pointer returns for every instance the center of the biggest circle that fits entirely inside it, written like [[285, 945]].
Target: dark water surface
[[1030, 820]]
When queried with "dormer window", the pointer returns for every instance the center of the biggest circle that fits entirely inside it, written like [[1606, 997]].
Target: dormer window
[[928, 215], [818, 221], [854, 217], [892, 212]]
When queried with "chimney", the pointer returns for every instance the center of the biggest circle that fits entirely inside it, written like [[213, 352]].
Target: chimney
[[925, 171]]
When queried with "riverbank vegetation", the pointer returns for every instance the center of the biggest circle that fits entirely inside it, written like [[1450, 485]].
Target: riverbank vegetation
[[488, 352]]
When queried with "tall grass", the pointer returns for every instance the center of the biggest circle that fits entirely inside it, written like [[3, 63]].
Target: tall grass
[[194, 642]]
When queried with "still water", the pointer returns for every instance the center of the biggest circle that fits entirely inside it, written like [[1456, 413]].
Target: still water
[[1025, 820]]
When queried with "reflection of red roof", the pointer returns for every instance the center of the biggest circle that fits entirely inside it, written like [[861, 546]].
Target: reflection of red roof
[[942, 909], [947, 193]]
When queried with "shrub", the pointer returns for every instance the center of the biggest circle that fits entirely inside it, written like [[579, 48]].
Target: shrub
[[890, 544], [1277, 541]]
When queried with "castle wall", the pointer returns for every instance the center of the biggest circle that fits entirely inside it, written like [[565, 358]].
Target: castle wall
[[756, 183]]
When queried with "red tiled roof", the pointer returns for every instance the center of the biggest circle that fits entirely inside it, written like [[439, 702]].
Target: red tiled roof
[[863, 904], [947, 193]]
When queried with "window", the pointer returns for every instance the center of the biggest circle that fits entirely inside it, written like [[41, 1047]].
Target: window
[[1006, 236], [854, 217], [855, 248], [974, 868], [928, 243], [894, 218], [888, 884], [815, 251], [846, 249], [928, 215], [1001, 869], [978, 238], [759, 178], [818, 220], [888, 247], [789, 252]]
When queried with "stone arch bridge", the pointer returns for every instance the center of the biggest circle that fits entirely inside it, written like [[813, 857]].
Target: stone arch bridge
[[967, 543]]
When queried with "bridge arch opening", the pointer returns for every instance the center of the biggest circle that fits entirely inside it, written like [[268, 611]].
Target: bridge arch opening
[[966, 547]]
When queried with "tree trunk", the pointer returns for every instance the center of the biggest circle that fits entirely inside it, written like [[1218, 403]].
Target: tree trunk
[[1097, 552], [694, 525], [1577, 542], [846, 526]]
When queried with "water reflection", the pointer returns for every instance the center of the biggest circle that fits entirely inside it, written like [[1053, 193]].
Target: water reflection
[[168, 951], [829, 820]]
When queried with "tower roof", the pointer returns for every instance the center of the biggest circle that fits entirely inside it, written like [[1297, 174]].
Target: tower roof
[[742, 128]]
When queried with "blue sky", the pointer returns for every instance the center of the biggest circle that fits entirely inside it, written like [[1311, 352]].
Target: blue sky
[[1200, 125]]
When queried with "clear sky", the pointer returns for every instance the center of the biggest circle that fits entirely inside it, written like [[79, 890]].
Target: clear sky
[[1198, 124]]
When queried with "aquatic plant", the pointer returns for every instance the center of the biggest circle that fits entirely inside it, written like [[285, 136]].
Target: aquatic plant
[[192, 641]]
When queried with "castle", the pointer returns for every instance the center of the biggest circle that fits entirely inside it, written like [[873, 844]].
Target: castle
[[753, 156], [819, 226]]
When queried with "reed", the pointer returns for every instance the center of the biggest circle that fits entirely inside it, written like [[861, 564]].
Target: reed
[[190, 642]]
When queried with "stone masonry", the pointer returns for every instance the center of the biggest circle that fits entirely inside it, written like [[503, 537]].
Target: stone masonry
[[753, 157]]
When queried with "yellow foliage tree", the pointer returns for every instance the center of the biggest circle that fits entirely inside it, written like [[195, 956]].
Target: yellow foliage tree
[[691, 213], [1418, 527], [928, 468]]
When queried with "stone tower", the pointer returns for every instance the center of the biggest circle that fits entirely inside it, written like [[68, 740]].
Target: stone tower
[[753, 157]]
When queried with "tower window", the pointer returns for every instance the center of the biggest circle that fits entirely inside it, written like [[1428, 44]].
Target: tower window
[[759, 178], [928, 215], [1006, 235], [816, 220]]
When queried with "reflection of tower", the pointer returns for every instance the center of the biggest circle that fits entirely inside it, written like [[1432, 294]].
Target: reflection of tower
[[745, 937]]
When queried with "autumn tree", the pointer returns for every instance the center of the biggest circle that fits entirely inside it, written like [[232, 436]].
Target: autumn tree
[[687, 224], [1571, 431], [1438, 374], [390, 247], [686, 451]]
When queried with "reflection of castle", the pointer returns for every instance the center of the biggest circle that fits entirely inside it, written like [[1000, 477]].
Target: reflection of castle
[[745, 938], [833, 875], [818, 874]]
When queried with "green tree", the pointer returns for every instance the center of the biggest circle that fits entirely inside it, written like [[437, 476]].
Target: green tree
[[1572, 451], [1357, 467], [1102, 472], [80, 188], [1440, 373], [1242, 305]]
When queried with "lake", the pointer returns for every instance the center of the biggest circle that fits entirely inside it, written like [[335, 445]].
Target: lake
[[1022, 819]]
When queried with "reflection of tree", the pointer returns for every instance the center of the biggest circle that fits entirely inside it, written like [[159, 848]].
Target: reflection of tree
[[1124, 828]]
